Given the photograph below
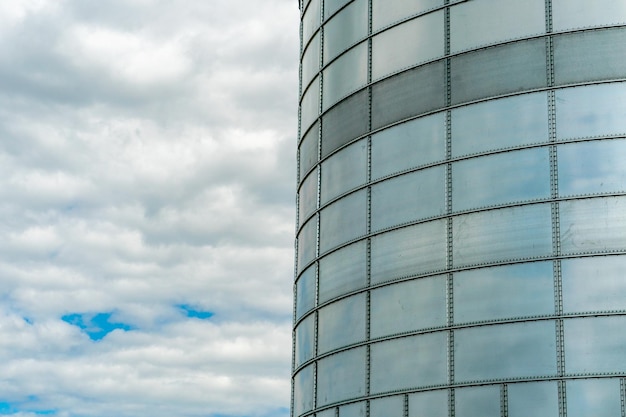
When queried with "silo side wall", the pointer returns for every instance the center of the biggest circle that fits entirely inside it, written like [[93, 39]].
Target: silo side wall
[[461, 243]]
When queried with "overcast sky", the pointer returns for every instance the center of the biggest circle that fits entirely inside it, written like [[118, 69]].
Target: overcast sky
[[147, 181]]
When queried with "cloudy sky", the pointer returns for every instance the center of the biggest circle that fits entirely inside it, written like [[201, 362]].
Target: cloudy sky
[[147, 177]]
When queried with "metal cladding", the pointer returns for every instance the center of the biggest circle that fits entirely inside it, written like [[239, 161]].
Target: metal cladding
[[461, 243]]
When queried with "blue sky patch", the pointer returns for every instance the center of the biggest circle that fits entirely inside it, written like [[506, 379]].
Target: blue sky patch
[[11, 408], [194, 313], [96, 326], [279, 412]]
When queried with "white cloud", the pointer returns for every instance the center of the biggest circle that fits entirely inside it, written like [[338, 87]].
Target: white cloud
[[132, 58], [14, 13], [147, 162], [189, 368]]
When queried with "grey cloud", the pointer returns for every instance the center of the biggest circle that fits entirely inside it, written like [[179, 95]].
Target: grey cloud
[[242, 56], [147, 160], [155, 373]]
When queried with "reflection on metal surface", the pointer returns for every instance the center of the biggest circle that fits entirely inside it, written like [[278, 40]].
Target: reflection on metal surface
[[344, 170], [341, 376], [427, 43], [350, 264], [415, 196], [408, 306], [423, 362], [341, 323], [484, 22], [533, 398], [409, 145], [500, 124], [593, 397], [519, 290], [477, 401]]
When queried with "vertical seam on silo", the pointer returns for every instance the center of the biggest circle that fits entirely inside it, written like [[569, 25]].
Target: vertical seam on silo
[[560, 335], [368, 246], [369, 143], [368, 366], [562, 398], [317, 288], [405, 400], [293, 335], [622, 394], [504, 400], [448, 190], [314, 399], [319, 193], [554, 208], [319, 135], [295, 268], [448, 132], [293, 351], [299, 131], [451, 400], [315, 354]]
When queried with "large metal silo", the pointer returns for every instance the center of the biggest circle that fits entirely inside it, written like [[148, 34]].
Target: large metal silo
[[461, 244]]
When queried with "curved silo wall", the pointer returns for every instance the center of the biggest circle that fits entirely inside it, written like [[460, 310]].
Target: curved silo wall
[[461, 245]]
